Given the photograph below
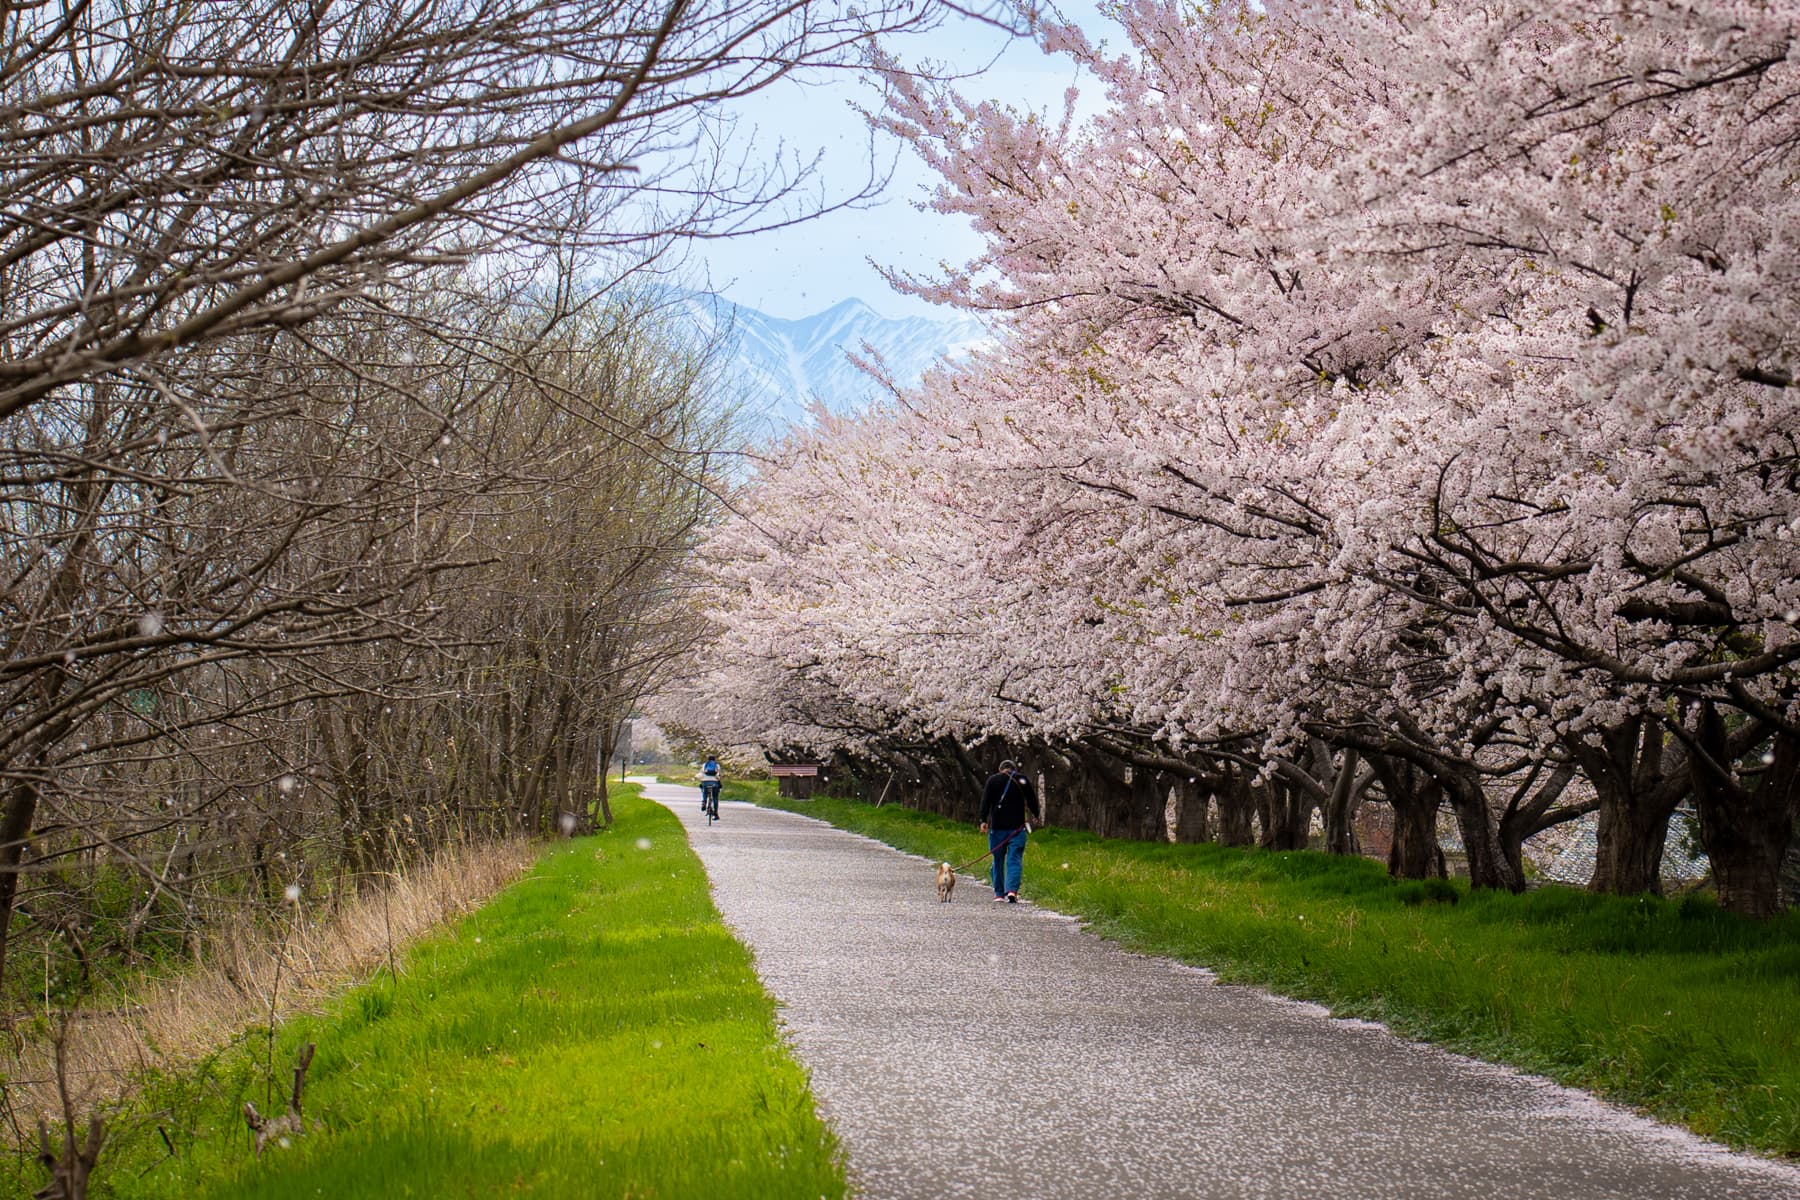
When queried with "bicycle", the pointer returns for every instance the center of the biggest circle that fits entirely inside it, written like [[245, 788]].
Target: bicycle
[[709, 799]]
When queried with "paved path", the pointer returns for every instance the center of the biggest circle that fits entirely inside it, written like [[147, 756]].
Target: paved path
[[978, 1049]]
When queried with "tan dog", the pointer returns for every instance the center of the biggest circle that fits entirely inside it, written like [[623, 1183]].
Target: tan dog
[[946, 882]]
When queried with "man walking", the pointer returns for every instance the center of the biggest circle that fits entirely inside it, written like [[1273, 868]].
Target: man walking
[[1005, 801]]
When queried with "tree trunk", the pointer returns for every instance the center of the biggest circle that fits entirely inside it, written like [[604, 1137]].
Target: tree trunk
[[606, 813], [1522, 819], [1415, 853], [1191, 824], [610, 734], [1488, 866], [1340, 809], [1629, 845], [968, 799], [1103, 794], [559, 770], [1746, 829], [1639, 779], [1236, 807], [15, 831], [1286, 814], [1415, 798]]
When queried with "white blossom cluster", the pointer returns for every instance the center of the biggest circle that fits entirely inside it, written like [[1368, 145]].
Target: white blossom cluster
[[1405, 371]]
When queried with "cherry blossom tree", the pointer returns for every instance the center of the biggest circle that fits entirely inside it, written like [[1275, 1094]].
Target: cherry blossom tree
[[1416, 381]]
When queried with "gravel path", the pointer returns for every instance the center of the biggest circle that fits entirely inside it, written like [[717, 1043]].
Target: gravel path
[[976, 1049]]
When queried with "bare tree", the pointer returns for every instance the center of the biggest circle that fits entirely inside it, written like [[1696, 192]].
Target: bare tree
[[239, 396]]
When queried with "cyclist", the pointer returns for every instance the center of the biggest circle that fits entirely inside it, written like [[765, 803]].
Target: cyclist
[[710, 786]]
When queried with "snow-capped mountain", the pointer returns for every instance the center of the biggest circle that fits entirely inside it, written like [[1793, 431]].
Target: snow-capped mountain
[[783, 366]]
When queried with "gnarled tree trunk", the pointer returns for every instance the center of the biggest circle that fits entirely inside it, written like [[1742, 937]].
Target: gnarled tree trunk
[[1340, 807], [1415, 797], [1746, 829], [1488, 866], [1191, 816], [1526, 817], [1639, 778], [1286, 811], [1237, 808]]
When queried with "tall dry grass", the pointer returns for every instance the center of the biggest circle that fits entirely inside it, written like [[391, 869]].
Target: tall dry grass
[[247, 976]]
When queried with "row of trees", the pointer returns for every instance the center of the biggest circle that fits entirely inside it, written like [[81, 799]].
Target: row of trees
[[343, 466], [1386, 401], [405, 596]]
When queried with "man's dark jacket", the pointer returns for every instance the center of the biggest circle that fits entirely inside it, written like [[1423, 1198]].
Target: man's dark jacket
[[1005, 799]]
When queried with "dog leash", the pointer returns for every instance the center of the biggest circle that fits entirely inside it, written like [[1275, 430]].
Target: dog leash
[[1004, 792], [991, 850]]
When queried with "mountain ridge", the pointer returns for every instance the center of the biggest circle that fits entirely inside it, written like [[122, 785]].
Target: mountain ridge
[[784, 364]]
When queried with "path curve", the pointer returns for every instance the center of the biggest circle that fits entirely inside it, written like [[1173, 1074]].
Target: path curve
[[976, 1049]]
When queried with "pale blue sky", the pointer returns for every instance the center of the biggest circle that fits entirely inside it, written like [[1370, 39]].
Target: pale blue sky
[[802, 270]]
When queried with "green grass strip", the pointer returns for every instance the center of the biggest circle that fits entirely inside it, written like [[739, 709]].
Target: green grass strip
[[593, 1031], [1677, 1008]]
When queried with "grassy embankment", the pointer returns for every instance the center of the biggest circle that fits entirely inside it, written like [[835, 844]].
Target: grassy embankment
[[594, 1031], [1687, 1012], [175, 1012]]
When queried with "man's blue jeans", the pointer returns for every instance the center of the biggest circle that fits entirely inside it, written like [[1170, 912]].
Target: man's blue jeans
[[1009, 859]]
